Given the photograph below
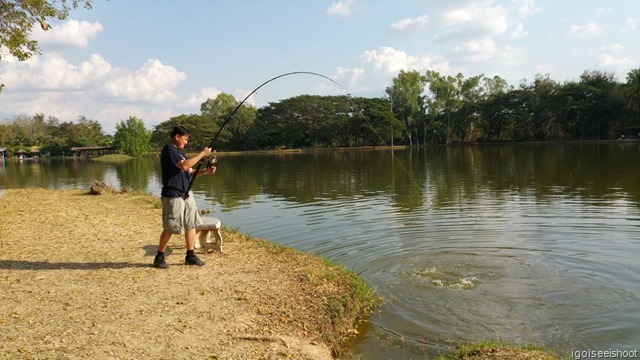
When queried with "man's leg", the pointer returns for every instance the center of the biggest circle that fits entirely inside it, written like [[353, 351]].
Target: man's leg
[[164, 240], [159, 261], [172, 212], [191, 221], [190, 238]]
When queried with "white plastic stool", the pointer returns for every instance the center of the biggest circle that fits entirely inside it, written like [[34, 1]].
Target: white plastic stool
[[209, 225]]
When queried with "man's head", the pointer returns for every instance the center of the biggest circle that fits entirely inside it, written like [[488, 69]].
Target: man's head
[[179, 136]]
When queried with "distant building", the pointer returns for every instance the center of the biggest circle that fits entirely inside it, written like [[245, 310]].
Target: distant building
[[631, 132]]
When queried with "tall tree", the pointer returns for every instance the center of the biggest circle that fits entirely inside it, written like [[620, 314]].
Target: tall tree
[[200, 127], [18, 17], [470, 92], [132, 137], [444, 99], [405, 96], [632, 89], [494, 107], [218, 110]]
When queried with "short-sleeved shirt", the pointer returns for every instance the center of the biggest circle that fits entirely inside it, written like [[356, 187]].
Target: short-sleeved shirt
[[175, 181]]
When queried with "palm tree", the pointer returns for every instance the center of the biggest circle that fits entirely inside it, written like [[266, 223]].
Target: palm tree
[[632, 89]]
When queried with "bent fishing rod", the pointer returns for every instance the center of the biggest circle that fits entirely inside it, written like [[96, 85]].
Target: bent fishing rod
[[195, 173]]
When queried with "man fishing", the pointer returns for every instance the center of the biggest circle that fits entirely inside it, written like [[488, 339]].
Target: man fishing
[[179, 210]]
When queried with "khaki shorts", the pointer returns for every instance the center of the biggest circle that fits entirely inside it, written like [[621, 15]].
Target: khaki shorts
[[179, 214]]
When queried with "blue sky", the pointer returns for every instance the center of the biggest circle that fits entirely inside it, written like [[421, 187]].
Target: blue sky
[[158, 59]]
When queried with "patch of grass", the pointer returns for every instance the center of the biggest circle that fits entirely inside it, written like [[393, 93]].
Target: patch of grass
[[273, 248], [154, 201], [497, 349], [348, 299], [113, 158], [346, 308]]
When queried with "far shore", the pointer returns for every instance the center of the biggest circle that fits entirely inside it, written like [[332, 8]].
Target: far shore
[[361, 148]]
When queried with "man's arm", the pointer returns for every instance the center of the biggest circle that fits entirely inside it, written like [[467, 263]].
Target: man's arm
[[184, 165], [209, 170]]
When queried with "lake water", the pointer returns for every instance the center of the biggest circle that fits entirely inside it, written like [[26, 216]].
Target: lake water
[[526, 243]]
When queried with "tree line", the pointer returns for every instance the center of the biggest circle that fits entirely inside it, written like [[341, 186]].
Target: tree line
[[48, 135], [418, 109], [443, 109]]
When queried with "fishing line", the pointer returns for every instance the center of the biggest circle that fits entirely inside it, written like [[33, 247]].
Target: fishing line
[[393, 156], [195, 173]]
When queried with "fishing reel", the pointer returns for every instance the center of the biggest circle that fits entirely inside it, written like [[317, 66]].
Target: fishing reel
[[211, 161]]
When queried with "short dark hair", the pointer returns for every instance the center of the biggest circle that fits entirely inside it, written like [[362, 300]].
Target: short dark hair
[[179, 130]]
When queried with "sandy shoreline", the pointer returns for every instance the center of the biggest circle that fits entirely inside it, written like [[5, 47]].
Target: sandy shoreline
[[76, 282]]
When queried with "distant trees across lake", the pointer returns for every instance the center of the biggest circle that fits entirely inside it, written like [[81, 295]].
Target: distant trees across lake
[[417, 109]]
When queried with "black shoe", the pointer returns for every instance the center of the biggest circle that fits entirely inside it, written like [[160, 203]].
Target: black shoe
[[159, 262], [193, 260]]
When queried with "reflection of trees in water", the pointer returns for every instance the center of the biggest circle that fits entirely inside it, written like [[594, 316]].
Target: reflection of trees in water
[[235, 181], [135, 173], [51, 173], [438, 176], [544, 171], [442, 176], [315, 176]]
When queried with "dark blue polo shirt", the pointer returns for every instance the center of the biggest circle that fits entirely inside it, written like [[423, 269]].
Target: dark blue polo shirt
[[175, 182]]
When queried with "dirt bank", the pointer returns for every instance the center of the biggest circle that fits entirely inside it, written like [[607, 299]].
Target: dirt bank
[[76, 282]]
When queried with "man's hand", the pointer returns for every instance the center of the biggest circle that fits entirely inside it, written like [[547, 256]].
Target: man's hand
[[210, 170], [205, 152]]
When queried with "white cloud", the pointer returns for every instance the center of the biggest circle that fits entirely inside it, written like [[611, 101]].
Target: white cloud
[[70, 34], [630, 24], [341, 8], [476, 31], [373, 70], [94, 88], [391, 61], [241, 94], [352, 75], [111, 114], [455, 17], [152, 83], [509, 56], [519, 32], [195, 100], [52, 72], [618, 65], [356, 74], [410, 25], [472, 22], [586, 31], [612, 48], [524, 8], [476, 51]]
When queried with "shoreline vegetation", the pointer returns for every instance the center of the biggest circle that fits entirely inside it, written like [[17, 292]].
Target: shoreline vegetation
[[76, 281], [124, 158], [493, 349], [114, 158], [121, 157]]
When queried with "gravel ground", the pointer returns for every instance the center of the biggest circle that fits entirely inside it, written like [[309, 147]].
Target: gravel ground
[[76, 282]]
